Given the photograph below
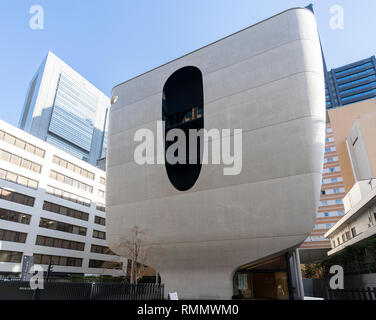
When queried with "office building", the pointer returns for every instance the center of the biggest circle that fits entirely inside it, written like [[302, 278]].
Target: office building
[[351, 83], [67, 111], [217, 235], [345, 85], [51, 207], [331, 208], [354, 130]]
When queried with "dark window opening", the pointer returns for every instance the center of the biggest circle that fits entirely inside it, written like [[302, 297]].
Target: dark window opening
[[183, 108]]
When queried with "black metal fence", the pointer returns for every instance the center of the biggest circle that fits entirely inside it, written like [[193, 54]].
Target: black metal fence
[[20, 290], [353, 294]]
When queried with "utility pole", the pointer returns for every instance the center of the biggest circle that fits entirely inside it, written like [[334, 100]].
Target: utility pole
[[49, 270]]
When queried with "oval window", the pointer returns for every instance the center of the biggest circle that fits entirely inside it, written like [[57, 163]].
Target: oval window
[[183, 114]]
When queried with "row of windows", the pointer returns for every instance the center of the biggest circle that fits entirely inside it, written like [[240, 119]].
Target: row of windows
[[13, 236], [100, 220], [16, 197], [323, 226], [358, 88], [345, 237], [52, 207], [373, 76], [59, 243], [16, 178], [10, 256], [68, 196], [21, 144], [337, 213], [72, 167], [330, 202], [14, 216], [373, 91], [331, 159], [99, 234], [101, 207], [62, 226], [355, 68], [57, 260], [354, 75], [16, 257], [70, 181], [334, 191], [331, 170], [101, 249], [18, 161], [330, 149], [332, 180], [105, 264]]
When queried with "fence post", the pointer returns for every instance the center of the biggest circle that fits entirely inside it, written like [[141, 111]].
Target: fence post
[[92, 291]]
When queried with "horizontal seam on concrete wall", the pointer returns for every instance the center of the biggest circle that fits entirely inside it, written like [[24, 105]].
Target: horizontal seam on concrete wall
[[314, 117], [208, 103], [224, 187], [225, 67], [231, 239]]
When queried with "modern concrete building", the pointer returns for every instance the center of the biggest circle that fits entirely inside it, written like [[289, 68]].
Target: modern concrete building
[[66, 110], [216, 235], [51, 206]]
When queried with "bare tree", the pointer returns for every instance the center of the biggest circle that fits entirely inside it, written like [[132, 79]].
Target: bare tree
[[132, 244]]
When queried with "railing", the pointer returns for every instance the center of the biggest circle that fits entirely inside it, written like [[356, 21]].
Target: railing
[[353, 294], [20, 290]]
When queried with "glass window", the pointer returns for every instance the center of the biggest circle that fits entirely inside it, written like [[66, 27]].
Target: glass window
[[11, 177], [26, 164], [5, 155], [22, 180], [30, 148], [36, 168], [39, 152], [33, 184], [20, 144], [9, 139]]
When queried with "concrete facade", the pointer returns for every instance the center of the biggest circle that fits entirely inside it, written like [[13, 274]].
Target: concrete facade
[[266, 80]]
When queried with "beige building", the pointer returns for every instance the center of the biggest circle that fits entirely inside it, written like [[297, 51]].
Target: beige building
[[354, 129], [342, 120]]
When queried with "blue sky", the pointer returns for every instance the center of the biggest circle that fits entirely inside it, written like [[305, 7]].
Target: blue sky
[[110, 41]]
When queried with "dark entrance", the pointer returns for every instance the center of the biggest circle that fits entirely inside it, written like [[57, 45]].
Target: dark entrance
[[267, 279]]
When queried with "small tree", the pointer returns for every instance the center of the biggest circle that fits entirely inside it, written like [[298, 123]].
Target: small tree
[[136, 251]]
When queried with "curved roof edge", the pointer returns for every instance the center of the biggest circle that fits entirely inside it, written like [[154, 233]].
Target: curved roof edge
[[291, 9]]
